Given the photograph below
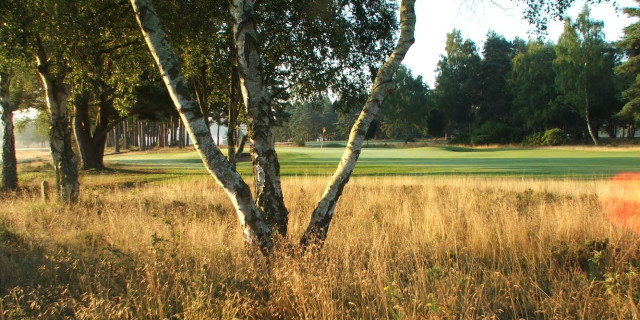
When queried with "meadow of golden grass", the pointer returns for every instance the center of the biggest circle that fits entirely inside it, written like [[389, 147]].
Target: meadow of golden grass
[[399, 248]]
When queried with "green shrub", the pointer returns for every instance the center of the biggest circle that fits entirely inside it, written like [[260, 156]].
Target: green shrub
[[554, 137], [495, 132], [463, 138], [551, 137], [299, 142], [533, 140], [480, 139]]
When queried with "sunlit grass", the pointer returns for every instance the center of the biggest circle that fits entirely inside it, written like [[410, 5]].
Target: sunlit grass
[[463, 247]]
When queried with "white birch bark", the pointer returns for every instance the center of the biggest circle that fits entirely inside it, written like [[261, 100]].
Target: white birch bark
[[586, 108], [383, 85], [65, 161], [255, 229], [266, 167]]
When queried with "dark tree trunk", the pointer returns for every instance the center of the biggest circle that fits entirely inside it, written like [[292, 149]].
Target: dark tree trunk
[[180, 135], [235, 103], [202, 97], [92, 143], [243, 142], [142, 143], [127, 128], [218, 135], [173, 131], [116, 134], [9, 161]]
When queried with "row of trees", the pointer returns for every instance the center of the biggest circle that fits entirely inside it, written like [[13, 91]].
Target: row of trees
[[95, 72], [408, 113], [509, 90], [244, 58]]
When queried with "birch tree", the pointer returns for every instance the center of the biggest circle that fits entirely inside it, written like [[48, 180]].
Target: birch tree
[[44, 39], [269, 206], [584, 71], [267, 215]]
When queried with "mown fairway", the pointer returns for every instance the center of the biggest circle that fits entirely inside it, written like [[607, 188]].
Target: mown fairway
[[312, 161]]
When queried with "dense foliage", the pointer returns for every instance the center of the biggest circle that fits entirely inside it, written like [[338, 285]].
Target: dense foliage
[[516, 89]]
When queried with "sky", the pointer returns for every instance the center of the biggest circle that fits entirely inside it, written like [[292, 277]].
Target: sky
[[474, 18]]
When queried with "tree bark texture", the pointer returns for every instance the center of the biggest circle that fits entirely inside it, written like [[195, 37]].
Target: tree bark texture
[[9, 161], [255, 229], [593, 135], [91, 144], [266, 167], [235, 103], [65, 161], [116, 139], [383, 85]]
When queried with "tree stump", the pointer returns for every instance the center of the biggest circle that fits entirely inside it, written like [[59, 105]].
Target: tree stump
[[44, 191]]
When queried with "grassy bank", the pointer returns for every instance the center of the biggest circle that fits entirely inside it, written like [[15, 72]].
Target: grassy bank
[[400, 247]]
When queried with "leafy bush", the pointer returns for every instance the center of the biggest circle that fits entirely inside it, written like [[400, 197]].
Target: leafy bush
[[480, 139], [495, 132], [534, 139], [463, 138], [551, 137], [554, 137], [299, 142]]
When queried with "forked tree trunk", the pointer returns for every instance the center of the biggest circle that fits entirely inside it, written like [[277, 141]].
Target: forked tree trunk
[[9, 161], [255, 229], [383, 85], [65, 161], [266, 167], [257, 102], [91, 143], [91, 149]]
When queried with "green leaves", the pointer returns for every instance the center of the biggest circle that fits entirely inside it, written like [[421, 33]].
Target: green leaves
[[404, 113], [584, 70], [630, 69]]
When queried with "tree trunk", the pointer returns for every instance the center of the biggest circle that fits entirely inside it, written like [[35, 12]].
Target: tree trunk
[[116, 138], [91, 144], [180, 134], [9, 161], [266, 168], [65, 161], [127, 129], [255, 229], [218, 133], [594, 136], [202, 97], [318, 227], [243, 142], [235, 103], [141, 142]]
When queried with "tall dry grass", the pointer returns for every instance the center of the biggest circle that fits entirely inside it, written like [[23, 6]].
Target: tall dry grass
[[432, 248]]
